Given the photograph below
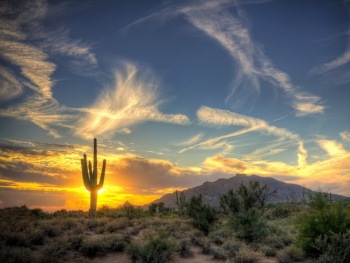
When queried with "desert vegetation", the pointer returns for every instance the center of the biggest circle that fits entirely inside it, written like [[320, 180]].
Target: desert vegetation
[[245, 229]]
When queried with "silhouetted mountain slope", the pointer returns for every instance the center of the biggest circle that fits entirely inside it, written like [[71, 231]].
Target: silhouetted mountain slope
[[211, 191]]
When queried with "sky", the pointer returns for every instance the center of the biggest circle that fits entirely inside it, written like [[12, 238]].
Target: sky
[[177, 93]]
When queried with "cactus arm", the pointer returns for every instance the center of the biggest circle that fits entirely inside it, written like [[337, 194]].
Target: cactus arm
[[90, 173], [94, 177], [85, 174], [102, 178]]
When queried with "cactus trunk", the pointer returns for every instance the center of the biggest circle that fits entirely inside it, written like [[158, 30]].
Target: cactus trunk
[[89, 173], [93, 203]]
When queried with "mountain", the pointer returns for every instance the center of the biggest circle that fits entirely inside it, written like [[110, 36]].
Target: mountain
[[211, 191]]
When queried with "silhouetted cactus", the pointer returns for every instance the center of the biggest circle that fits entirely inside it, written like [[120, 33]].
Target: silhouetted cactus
[[89, 173], [181, 202]]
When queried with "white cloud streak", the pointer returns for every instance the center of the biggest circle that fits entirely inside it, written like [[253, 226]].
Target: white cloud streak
[[26, 45], [217, 117], [10, 86], [191, 140], [338, 62], [230, 32], [345, 135], [132, 100]]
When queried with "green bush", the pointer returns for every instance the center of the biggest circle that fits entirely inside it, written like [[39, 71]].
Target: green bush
[[202, 215], [282, 211], [334, 247], [324, 219], [246, 255], [249, 225], [231, 247], [100, 246], [93, 247], [117, 224], [184, 248], [291, 254], [132, 211], [56, 251], [154, 247]]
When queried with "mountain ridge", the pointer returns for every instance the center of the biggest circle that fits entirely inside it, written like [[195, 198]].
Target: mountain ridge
[[211, 191]]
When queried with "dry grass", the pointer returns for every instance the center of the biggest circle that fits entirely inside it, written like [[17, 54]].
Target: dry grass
[[72, 237]]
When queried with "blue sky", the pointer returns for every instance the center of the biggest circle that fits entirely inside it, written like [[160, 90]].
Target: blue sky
[[176, 92]]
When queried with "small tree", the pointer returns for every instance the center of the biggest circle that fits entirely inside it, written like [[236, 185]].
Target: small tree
[[152, 209], [202, 215], [161, 207], [246, 197], [230, 202], [129, 210], [245, 206], [324, 221]]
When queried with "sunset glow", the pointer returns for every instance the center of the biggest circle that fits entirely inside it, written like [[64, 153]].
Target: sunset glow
[[176, 92]]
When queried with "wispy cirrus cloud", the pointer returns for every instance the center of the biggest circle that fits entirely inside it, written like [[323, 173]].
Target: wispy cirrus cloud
[[134, 98], [345, 135], [27, 45], [10, 86], [218, 117], [231, 33], [338, 62], [191, 140]]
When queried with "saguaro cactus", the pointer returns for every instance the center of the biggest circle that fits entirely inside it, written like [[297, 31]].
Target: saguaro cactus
[[181, 202], [89, 173]]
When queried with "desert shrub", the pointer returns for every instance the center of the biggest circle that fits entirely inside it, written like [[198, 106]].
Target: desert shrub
[[220, 235], [117, 224], [231, 247], [202, 215], [15, 255], [52, 228], [37, 237], [246, 255], [184, 248], [323, 219], [154, 247], [249, 225], [197, 237], [56, 251], [16, 239], [37, 213], [132, 211], [75, 241], [277, 241], [68, 224], [333, 248], [268, 251], [281, 211], [115, 242], [92, 247], [291, 254], [219, 253]]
